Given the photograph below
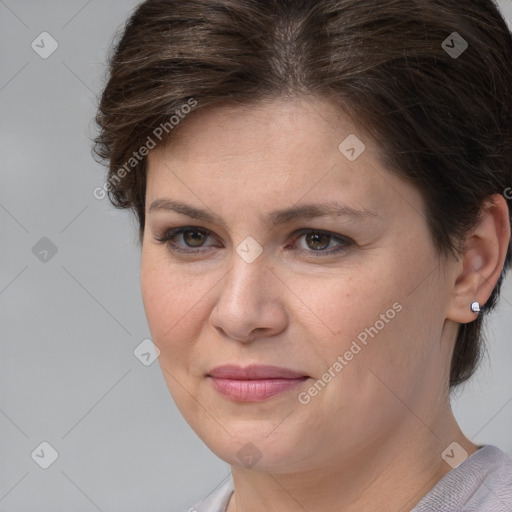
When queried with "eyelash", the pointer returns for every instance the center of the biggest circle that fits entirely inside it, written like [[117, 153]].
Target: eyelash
[[168, 237]]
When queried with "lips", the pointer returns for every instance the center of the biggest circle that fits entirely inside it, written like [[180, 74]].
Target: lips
[[254, 372], [254, 383]]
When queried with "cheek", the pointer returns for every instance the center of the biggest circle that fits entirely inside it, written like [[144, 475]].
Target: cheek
[[173, 304], [340, 306], [369, 313], [174, 313]]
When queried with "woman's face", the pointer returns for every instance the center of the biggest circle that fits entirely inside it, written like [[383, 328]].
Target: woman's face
[[354, 301]]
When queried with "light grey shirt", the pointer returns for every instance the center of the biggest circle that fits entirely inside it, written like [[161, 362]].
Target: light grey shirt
[[482, 483]]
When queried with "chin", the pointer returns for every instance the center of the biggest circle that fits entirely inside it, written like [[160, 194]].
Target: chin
[[257, 446]]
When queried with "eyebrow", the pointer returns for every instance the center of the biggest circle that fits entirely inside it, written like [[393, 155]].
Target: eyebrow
[[275, 218]]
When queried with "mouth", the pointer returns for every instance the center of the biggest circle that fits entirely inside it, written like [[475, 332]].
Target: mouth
[[254, 383]]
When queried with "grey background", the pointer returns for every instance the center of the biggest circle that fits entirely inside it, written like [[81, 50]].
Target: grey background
[[69, 325]]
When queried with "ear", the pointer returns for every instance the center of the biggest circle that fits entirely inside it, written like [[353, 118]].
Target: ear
[[479, 267]]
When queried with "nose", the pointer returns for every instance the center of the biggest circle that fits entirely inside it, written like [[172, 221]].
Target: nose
[[249, 305]]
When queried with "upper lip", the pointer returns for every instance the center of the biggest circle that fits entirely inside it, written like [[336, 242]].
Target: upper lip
[[254, 372]]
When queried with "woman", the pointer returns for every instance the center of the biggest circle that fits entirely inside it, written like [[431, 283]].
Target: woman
[[322, 191]]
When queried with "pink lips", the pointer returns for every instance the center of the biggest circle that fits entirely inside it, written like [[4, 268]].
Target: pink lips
[[254, 383]]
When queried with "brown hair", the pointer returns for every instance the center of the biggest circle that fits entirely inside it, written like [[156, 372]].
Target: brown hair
[[441, 115]]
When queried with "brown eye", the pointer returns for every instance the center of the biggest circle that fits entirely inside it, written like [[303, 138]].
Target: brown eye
[[193, 237], [310, 242], [318, 241], [185, 240]]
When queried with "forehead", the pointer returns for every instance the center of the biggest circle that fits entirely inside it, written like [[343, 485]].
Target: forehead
[[273, 151], [288, 129]]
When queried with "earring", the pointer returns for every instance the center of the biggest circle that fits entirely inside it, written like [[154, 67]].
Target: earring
[[476, 308]]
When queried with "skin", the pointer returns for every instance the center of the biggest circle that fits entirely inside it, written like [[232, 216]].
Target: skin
[[372, 438]]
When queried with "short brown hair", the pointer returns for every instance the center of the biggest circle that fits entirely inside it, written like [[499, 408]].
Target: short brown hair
[[440, 111]]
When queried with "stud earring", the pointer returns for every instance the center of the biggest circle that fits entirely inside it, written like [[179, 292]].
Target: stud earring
[[476, 308]]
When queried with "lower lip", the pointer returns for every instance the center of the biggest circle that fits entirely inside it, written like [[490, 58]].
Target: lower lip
[[254, 390]]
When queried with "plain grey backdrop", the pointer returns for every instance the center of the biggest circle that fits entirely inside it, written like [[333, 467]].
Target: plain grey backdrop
[[71, 311]]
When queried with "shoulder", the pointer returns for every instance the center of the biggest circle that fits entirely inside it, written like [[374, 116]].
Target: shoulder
[[217, 499], [482, 483]]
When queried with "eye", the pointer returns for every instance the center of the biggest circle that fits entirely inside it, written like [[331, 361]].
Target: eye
[[318, 243], [193, 238]]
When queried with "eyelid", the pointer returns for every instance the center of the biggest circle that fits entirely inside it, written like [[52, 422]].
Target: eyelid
[[302, 231]]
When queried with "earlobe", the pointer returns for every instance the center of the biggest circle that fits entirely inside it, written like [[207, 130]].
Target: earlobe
[[479, 267]]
